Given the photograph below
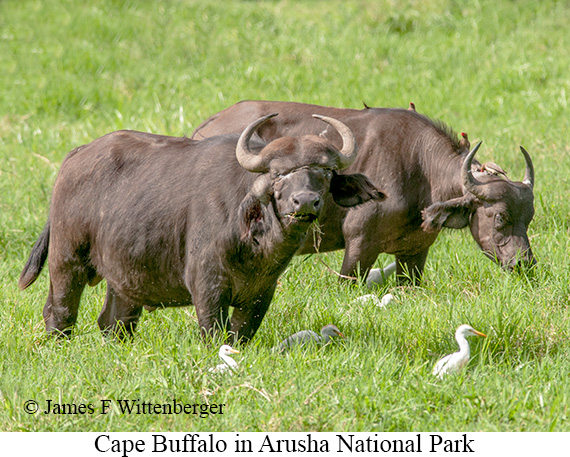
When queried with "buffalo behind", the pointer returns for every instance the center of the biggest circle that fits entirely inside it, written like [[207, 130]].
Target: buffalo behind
[[172, 222], [431, 179]]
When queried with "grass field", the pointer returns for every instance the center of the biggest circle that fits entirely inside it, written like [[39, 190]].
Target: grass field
[[73, 71]]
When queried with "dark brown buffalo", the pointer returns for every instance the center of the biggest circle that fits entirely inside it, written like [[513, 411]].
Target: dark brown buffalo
[[419, 164], [171, 222]]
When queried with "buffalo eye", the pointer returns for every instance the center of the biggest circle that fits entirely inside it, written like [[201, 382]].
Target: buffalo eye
[[500, 221], [503, 230], [277, 189]]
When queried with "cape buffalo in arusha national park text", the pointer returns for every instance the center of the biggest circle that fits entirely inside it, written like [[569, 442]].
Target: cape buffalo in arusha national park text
[[432, 183], [171, 222]]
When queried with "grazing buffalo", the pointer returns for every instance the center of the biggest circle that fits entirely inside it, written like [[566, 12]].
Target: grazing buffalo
[[422, 167], [172, 222]]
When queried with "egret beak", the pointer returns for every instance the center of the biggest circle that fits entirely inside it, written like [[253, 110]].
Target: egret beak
[[480, 334], [234, 351]]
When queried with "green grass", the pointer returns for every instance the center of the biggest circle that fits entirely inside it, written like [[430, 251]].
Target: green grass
[[73, 71]]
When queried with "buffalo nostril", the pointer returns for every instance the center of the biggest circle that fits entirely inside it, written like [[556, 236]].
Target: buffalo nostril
[[305, 202]]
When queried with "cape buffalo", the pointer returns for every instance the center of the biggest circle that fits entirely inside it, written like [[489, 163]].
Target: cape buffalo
[[172, 222], [421, 165]]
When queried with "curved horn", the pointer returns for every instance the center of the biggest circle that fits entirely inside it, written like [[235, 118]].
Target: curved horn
[[477, 188], [529, 172], [246, 158], [261, 187], [349, 147]]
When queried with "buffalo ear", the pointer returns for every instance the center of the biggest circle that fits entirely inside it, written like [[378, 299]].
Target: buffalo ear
[[252, 209], [452, 214], [353, 190], [250, 217]]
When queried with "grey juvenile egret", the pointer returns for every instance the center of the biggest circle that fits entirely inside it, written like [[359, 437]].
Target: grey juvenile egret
[[455, 362], [377, 277], [305, 337], [229, 363]]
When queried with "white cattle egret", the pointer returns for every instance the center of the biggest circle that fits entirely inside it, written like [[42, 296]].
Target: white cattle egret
[[229, 363], [305, 337], [377, 277], [455, 362], [372, 298], [386, 300], [368, 298]]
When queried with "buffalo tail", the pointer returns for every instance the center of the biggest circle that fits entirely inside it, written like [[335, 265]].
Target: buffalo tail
[[36, 261]]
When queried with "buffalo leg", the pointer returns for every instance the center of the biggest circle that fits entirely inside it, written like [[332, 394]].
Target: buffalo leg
[[213, 320], [211, 300], [409, 269], [246, 320], [359, 256], [119, 316], [62, 304], [212, 310]]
